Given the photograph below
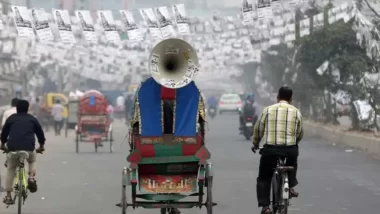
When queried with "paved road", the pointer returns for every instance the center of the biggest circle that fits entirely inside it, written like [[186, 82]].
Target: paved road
[[332, 181]]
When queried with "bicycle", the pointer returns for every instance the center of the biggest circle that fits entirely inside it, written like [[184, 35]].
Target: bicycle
[[21, 180], [280, 187]]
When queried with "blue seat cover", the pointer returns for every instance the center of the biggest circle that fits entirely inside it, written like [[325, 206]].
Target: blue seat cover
[[149, 96]]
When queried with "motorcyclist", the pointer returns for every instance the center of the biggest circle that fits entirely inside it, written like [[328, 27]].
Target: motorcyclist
[[248, 110], [212, 102]]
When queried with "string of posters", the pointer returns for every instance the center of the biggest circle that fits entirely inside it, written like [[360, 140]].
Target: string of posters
[[95, 50]]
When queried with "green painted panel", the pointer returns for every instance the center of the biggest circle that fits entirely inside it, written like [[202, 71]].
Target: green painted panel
[[161, 150], [172, 159], [177, 168]]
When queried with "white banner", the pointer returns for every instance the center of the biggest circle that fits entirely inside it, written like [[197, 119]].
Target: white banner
[[62, 18], [130, 26], [23, 22], [109, 26], [87, 26]]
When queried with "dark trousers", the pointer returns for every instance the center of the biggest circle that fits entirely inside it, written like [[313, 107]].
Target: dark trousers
[[268, 163], [57, 127]]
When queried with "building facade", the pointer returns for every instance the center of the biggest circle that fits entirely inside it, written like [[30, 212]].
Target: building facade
[[72, 5]]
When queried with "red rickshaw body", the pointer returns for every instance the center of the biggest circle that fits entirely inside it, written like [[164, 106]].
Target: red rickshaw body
[[93, 120]]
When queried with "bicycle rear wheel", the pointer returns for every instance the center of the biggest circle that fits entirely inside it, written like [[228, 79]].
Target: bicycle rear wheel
[[20, 190], [124, 183], [283, 209], [275, 193]]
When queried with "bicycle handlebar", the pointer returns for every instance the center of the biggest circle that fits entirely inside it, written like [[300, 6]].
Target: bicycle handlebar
[[258, 149]]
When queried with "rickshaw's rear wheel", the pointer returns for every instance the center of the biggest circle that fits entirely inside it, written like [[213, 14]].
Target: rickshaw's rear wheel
[[209, 201], [77, 143], [66, 128], [123, 203], [111, 141], [96, 143]]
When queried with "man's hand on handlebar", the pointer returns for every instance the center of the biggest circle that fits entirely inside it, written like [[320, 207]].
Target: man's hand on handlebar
[[40, 149], [3, 148], [254, 148]]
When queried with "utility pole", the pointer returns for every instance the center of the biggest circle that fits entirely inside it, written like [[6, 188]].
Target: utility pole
[[5, 7], [28, 4]]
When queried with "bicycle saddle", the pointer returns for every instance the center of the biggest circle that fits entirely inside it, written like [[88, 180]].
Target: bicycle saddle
[[21, 154], [282, 165]]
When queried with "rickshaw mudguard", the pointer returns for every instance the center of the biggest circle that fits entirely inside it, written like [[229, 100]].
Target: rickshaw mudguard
[[161, 197]]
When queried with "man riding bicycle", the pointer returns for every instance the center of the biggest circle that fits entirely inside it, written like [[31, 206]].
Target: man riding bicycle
[[281, 127], [18, 133]]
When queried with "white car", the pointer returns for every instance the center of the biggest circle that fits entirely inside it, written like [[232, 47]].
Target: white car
[[229, 103]]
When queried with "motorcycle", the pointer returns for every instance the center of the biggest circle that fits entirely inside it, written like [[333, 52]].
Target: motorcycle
[[247, 131], [212, 112]]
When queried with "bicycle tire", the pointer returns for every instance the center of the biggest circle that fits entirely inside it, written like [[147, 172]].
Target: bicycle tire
[[275, 193], [20, 190], [209, 202], [111, 141], [77, 138], [96, 146], [124, 192], [284, 207]]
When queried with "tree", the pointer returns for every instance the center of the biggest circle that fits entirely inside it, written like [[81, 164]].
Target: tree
[[248, 77], [336, 43]]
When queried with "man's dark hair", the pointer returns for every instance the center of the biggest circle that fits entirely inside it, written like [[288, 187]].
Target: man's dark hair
[[37, 99], [22, 106], [57, 101], [14, 102], [285, 93]]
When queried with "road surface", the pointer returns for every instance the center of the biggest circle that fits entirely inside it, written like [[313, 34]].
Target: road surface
[[332, 180]]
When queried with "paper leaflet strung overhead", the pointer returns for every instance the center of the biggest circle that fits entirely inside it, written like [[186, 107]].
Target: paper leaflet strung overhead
[[230, 38]]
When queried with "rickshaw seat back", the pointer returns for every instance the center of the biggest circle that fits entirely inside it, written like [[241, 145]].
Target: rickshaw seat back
[[168, 146], [185, 109], [151, 146]]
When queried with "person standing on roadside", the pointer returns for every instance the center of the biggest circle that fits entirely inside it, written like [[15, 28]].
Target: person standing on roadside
[[36, 108], [110, 111], [57, 112], [10, 111]]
